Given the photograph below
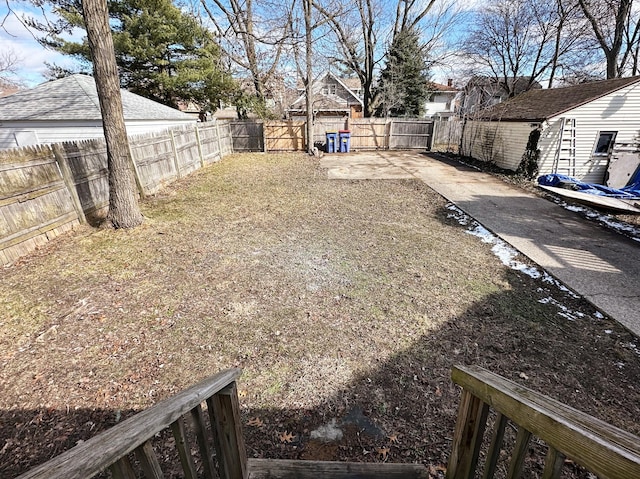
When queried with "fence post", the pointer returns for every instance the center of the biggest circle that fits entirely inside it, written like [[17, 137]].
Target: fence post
[[199, 148], [219, 140], [175, 155], [228, 433], [136, 172], [67, 176], [264, 137], [433, 135]]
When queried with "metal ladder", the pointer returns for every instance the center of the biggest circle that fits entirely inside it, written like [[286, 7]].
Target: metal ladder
[[564, 161]]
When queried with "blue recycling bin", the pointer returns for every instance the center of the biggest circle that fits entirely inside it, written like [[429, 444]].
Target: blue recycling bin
[[345, 141], [332, 142]]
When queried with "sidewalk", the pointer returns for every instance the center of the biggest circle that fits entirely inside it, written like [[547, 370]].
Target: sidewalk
[[600, 265]]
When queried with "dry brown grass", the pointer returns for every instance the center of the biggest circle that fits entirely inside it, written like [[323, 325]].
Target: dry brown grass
[[333, 296]]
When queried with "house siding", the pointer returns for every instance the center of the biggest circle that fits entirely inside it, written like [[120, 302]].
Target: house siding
[[440, 103], [618, 111], [503, 143], [45, 132]]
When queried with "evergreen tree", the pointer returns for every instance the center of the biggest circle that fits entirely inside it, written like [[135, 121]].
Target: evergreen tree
[[162, 52], [403, 88]]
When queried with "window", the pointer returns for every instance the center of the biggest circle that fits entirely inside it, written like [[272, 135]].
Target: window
[[605, 142], [329, 89]]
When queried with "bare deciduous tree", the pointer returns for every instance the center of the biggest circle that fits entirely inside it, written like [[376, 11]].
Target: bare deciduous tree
[[517, 40], [356, 33], [124, 211], [9, 62], [360, 28], [616, 32], [253, 34]]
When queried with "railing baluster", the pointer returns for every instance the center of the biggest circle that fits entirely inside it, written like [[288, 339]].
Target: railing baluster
[[122, 469], [201, 434], [467, 438], [149, 461], [228, 430], [519, 453], [184, 451], [553, 464], [494, 449]]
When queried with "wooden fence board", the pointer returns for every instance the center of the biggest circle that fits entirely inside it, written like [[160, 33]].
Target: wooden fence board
[[210, 142], [284, 135], [324, 125], [446, 136], [369, 134], [37, 203], [248, 135], [186, 147], [225, 138], [410, 134], [87, 161], [154, 157], [366, 134]]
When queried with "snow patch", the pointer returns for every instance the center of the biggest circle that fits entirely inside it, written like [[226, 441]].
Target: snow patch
[[632, 231], [508, 256]]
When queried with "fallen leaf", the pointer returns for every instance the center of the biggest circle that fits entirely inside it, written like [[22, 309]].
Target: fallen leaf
[[523, 376], [287, 437], [242, 393], [393, 439], [433, 470], [383, 452], [256, 422], [438, 392]]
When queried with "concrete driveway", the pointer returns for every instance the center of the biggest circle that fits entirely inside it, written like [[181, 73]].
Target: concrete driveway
[[598, 264]]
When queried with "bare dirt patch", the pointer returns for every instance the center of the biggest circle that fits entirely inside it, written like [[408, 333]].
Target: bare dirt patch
[[335, 297]]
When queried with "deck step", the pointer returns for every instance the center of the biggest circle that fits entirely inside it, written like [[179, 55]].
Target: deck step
[[290, 469]]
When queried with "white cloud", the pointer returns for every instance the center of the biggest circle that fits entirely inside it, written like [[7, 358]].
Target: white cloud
[[19, 39]]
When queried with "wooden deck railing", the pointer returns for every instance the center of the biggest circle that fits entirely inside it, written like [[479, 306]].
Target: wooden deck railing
[[604, 450], [111, 449], [607, 451]]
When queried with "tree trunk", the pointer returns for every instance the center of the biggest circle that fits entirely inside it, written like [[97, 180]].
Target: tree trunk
[[124, 211], [309, 73]]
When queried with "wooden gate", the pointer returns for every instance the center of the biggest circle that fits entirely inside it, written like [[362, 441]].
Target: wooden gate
[[410, 133], [248, 135], [284, 136]]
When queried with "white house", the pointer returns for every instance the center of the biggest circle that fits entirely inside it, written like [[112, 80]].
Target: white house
[[442, 100], [578, 128], [69, 109]]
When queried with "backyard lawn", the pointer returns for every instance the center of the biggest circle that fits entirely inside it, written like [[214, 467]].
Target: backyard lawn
[[345, 300]]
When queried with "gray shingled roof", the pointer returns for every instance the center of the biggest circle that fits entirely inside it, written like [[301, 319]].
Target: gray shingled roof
[[75, 98], [538, 105]]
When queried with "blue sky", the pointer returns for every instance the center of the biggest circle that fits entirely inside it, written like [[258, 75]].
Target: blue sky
[[14, 36]]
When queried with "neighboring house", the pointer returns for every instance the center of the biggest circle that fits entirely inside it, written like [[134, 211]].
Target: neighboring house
[[68, 109], [442, 100], [483, 92], [8, 88], [578, 127], [332, 97]]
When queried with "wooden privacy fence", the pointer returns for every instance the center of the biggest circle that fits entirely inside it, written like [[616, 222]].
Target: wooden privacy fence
[[366, 134], [446, 136], [604, 450], [48, 189]]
